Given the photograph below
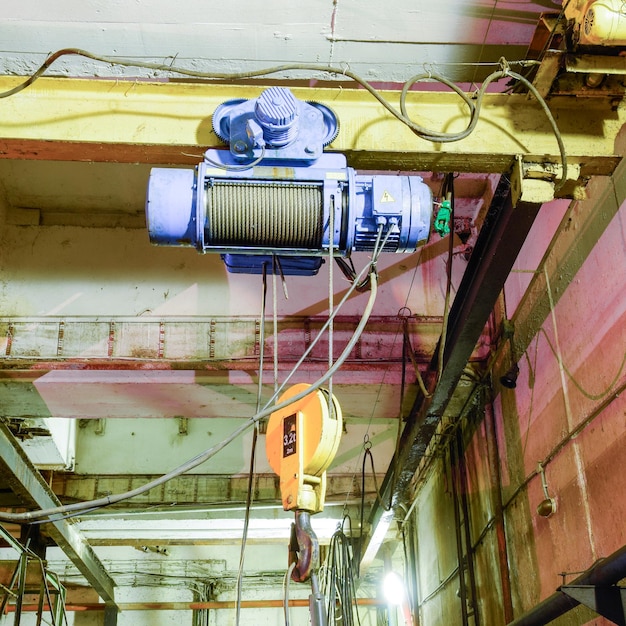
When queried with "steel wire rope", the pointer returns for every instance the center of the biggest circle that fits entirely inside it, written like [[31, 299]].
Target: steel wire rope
[[275, 265], [402, 116], [255, 435], [331, 338], [353, 340], [29, 516], [484, 41]]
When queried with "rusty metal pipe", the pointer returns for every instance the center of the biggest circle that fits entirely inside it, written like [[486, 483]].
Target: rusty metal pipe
[[469, 550], [496, 482], [457, 532]]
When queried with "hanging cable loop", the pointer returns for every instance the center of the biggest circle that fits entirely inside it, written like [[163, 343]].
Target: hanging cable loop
[[504, 66]]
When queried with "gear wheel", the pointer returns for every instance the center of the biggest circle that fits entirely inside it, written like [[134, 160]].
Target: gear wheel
[[221, 120], [331, 121]]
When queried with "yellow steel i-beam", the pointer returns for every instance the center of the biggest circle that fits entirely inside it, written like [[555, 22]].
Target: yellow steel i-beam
[[170, 123]]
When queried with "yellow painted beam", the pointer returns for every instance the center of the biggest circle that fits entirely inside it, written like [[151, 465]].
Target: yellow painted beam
[[170, 122]]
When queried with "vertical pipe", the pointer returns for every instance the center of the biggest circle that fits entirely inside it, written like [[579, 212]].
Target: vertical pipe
[[496, 483], [469, 552], [457, 530], [412, 577]]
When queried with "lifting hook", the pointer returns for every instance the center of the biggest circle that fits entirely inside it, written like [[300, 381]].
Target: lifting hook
[[304, 549]]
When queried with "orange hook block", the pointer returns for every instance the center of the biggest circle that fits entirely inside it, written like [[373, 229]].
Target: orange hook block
[[301, 443]]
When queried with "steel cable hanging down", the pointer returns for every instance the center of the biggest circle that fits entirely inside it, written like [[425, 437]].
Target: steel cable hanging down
[[70, 510], [255, 435]]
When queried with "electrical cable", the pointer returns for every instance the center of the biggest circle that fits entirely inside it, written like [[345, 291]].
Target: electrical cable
[[550, 117], [29, 516], [474, 106], [484, 41], [408, 350], [448, 193], [338, 581], [367, 448], [551, 34], [409, 573], [349, 272], [531, 382], [583, 391], [286, 580], [236, 168]]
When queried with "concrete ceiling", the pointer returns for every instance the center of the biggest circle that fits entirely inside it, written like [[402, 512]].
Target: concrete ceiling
[[385, 44]]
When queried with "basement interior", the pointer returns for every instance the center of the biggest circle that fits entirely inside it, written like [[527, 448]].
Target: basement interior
[[313, 314]]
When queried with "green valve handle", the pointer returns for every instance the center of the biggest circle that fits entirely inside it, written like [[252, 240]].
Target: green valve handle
[[442, 220]]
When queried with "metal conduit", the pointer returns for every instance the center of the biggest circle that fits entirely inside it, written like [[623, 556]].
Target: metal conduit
[[605, 572]]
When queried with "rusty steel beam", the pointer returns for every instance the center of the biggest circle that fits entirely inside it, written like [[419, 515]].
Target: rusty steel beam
[[606, 600], [500, 239], [24, 479], [606, 571]]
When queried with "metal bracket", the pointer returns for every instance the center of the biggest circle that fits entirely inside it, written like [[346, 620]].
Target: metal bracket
[[532, 181], [608, 601]]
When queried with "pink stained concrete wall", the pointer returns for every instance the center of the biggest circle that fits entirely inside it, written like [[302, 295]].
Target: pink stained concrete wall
[[571, 379], [583, 340]]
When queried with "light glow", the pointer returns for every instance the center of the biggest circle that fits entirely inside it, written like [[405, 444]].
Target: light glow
[[393, 588]]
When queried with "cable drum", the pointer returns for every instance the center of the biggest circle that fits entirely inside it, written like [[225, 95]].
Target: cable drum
[[264, 214]]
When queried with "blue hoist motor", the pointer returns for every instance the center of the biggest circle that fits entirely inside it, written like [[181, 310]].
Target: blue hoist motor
[[274, 193]]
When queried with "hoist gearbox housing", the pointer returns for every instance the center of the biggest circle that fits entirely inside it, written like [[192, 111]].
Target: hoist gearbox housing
[[275, 193]]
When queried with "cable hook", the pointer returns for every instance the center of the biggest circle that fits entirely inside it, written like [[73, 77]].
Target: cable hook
[[504, 65]]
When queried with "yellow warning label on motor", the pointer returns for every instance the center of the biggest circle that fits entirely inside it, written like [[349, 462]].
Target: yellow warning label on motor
[[387, 197]]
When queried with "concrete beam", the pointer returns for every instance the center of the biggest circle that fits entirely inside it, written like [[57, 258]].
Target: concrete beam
[[167, 122], [28, 483]]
